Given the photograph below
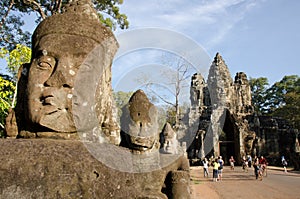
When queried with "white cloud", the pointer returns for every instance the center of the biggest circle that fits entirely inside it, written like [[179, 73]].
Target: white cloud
[[209, 20]]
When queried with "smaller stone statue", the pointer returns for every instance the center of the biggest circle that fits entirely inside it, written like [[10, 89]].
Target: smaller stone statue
[[169, 142], [139, 124], [140, 134]]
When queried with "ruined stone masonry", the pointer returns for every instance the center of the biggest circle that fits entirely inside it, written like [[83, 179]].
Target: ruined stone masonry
[[222, 122]]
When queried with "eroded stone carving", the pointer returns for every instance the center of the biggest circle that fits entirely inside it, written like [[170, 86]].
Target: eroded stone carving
[[70, 70], [140, 134], [169, 142], [139, 124], [219, 116], [223, 121]]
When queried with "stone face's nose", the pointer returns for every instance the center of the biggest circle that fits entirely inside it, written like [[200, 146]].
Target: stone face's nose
[[61, 77]]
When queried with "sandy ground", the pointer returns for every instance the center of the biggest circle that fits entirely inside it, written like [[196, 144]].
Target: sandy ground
[[240, 184]]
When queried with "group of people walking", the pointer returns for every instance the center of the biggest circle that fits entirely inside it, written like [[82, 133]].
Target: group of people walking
[[217, 164], [259, 165]]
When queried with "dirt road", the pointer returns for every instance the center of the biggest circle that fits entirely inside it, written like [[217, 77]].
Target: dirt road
[[239, 184]]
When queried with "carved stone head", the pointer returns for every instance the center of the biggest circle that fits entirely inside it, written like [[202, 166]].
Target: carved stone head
[[139, 124], [64, 47], [170, 142]]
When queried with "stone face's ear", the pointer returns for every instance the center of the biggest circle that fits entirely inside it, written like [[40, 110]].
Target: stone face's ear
[[21, 104], [11, 128]]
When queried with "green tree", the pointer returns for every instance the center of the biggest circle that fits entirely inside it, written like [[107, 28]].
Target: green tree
[[275, 97], [7, 90], [12, 12], [259, 92], [121, 99], [15, 58], [291, 110]]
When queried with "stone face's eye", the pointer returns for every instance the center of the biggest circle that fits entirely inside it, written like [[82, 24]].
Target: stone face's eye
[[46, 63]]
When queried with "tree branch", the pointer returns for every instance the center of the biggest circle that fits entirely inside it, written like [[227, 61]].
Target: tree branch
[[39, 8], [164, 100], [12, 2]]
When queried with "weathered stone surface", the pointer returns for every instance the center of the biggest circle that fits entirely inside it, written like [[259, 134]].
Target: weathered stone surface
[[48, 168], [139, 124], [219, 116], [141, 136], [67, 86], [11, 127], [274, 138], [222, 121], [242, 92], [168, 140]]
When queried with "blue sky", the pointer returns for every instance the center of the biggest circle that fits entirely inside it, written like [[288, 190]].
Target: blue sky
[[258, 37]]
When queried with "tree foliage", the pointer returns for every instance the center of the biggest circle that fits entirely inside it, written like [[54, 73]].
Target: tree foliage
[[291, 110], [258, 90], [282, 99], [121, 99], [15, 58], [11, 25], [7, 90], [275, 95], [12, 12]]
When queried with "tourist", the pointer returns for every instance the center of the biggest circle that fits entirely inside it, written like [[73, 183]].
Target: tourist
[[220, 168], [256, 167], [284, 163], [211, 161], [263, 162], [244, 164], [249, 159], [231, 161], [205, 167], [215, 170]]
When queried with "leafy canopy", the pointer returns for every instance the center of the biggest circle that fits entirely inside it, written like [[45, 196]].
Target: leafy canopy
[[12, 12], [7, 89], [15, 58], [282, 99]]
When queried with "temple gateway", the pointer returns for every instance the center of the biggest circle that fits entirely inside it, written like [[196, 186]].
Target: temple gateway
[[221, 121]]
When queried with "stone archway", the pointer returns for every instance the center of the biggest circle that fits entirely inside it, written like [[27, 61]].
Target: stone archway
[[229, 144]]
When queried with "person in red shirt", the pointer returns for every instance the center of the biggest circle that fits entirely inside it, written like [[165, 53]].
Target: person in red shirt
[[263, 161]]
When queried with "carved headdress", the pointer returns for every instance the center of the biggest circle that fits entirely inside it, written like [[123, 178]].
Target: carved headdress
[[77, 18]]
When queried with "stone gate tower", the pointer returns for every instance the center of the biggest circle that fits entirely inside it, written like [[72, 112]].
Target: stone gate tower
[[218, 111]]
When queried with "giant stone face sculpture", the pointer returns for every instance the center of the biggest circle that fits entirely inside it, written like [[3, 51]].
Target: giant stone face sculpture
[[68, 82], [51, 80]]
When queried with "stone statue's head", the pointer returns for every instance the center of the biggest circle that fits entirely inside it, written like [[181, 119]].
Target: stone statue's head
[[169, 140], [60, 45], [139, 124]]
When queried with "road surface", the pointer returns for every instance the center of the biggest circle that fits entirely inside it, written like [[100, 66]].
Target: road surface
[[240, 184]]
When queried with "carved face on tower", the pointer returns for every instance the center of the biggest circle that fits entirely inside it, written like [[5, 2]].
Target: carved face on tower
[[51, 79]]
